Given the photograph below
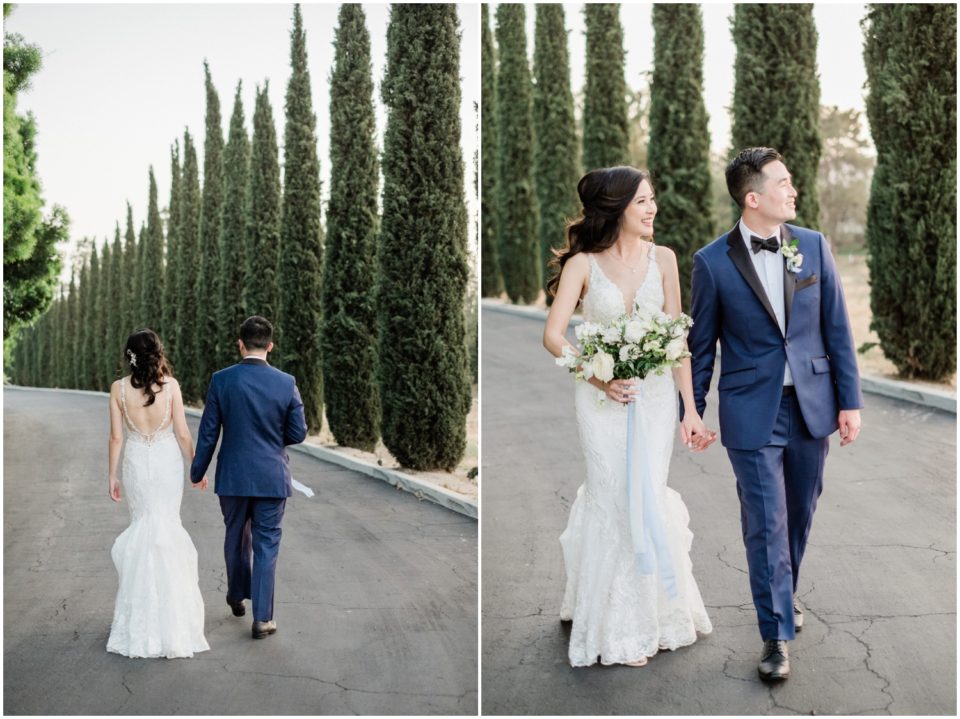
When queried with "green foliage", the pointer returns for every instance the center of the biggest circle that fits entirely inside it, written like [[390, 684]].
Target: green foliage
[[206, 328], [349, 334], [261, 250], [236, 180], [556, 154], [776, 96], [491, 280], [71, 342], [187, 275], [606, 136], [843, 180], [112, 287], [517, 209], [28, 284], [679, 153], [168, 333], [129, 300], [151, 264], [301, 237], [94, 326], [422, 258], [911, 59]]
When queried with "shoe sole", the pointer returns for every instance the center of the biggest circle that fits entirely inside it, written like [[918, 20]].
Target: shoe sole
[[773, 677], [263, 635]]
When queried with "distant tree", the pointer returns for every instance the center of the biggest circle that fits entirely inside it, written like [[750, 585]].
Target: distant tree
[[71, 343], [236, 180], [206, 327], [679, 154], [776, 95], [95, 326], [422, 254], [261, 250], [910, 55], [111, 264], [491, 280], [843, 181], [151, 263], [129, 301], [171, 269], [606, 137], [638, 120], [517, 211], [349, 336], [557, 152], [187, 277]]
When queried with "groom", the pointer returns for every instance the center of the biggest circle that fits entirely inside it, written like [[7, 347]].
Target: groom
[[788, 379], [260, 411]]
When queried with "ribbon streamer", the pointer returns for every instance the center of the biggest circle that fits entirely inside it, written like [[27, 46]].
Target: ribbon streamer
[[647, 527]]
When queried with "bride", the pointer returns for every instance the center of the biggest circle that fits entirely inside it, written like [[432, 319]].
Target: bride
[[158, 610], [620, 614]]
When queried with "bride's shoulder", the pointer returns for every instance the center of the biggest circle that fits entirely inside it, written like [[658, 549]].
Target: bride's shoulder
[[579, 263]]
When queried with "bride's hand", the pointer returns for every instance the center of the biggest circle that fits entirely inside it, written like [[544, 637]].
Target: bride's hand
[[694, 432], [114, 489], [620, 390]]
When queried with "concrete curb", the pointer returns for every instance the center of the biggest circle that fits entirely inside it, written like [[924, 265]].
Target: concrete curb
[[905, 391], [421, 490]]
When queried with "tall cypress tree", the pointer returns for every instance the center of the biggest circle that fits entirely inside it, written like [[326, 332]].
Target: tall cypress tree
[[93, 341], [519, 253], [130, 302], [71, 345], [491, 279], [171, 269], [84, 321], [236, 165], [114, 303], [139, 277], [776, 94], [261, 251], [911, 59], [422, 258], [557, 162], [301, 237], [348, 338], [188, 237], [206, 329], [679, 150], [57, 339], [606, 130], [151, 263]]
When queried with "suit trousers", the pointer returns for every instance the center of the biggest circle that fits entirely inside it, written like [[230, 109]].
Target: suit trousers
[[250, 547], [778, 486]]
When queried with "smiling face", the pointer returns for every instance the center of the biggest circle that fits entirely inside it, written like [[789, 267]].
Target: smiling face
[[777, 201], [638, 216]]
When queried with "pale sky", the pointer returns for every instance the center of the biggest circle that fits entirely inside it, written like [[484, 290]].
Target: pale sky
[[120, 82], [839, 54]]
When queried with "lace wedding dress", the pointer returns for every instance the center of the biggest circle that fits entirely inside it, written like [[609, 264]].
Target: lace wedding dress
[[620, 615], [159, 610]]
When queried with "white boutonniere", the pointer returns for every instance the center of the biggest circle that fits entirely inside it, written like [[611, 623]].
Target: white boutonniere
[[791, 253]]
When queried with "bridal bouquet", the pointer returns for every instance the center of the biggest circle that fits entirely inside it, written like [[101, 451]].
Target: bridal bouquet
[[629, 346]]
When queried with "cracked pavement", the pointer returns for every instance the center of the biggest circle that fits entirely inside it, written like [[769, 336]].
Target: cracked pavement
[[376, 598], [878, 581]]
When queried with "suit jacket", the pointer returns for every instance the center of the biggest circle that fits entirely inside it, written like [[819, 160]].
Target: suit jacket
[[729, 304], [260, 411]]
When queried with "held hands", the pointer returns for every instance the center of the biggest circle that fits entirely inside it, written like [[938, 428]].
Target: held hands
[[849, 421], [202, 484], [694, 432], [114, 489]]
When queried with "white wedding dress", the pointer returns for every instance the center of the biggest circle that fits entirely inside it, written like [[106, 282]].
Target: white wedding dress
[[159, 610], [620, 615]]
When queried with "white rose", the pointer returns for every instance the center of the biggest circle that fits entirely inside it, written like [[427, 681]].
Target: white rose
[[634, 331], [626, 352], [651, 346], [611, 335], [602, 366], [675, 349], [797, 260]]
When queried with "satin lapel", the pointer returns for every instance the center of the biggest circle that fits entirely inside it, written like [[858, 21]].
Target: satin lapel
[[741, 260], [789, 280]]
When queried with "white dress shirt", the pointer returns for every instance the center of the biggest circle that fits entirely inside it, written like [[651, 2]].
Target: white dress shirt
[[769, 267]]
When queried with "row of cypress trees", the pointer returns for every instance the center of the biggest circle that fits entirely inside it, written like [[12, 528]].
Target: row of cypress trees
[[380, 317]]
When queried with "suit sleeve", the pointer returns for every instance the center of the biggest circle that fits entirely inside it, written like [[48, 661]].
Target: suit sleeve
[[837, 335], [208, 435], [702, 340], [295, 426]]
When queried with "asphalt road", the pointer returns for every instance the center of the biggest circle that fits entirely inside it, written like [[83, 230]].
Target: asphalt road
[[878, 579], [376, 597]]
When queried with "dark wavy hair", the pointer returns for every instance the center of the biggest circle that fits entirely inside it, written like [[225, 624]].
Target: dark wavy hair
[[604, 195], [148, 365], [744, 174]]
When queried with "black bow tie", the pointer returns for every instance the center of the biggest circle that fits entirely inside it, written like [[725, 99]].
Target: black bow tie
[[771, 244]]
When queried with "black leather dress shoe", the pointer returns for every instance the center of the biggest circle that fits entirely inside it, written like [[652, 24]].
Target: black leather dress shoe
[[797, 616], [262, 629], [237, 607], [775, 662]]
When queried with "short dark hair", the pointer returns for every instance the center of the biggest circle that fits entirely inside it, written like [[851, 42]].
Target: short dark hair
[[256, 333], [745, 171]]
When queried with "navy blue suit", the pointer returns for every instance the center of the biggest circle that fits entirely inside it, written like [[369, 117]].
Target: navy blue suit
[[260, 412], [777, 441]]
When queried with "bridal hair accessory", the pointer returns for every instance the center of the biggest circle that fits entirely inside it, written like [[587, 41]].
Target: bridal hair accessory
[[133, 358]]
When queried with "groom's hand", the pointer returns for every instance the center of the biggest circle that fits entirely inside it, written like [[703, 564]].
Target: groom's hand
[[849, 421], [202, 484]]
